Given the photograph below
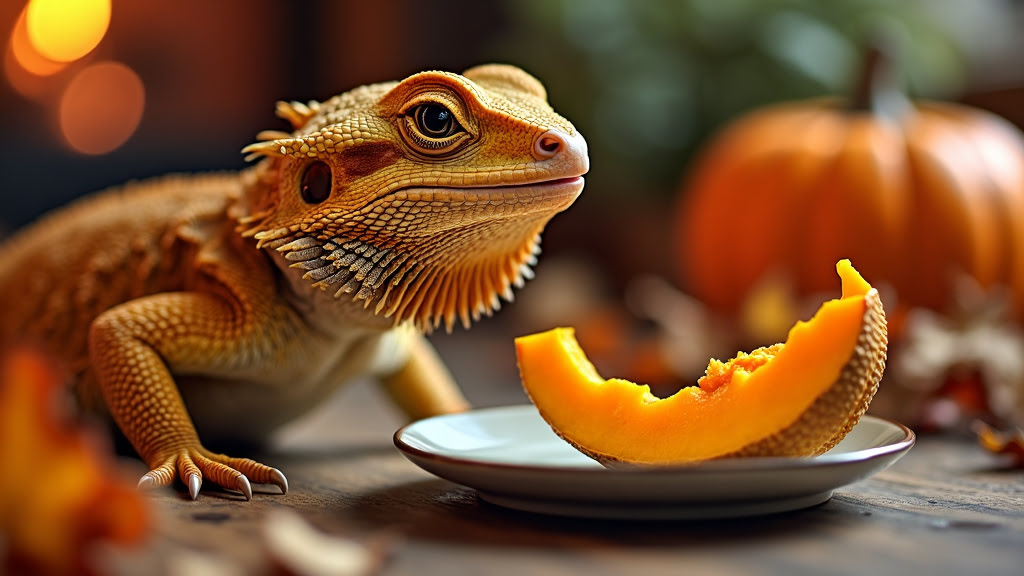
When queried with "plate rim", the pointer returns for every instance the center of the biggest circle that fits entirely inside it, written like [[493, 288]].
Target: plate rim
[[751, 464]]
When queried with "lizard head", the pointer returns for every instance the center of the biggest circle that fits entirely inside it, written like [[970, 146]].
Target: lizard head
[[424, 199]]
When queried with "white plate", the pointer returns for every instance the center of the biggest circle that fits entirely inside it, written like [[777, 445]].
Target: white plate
[[513, 459]]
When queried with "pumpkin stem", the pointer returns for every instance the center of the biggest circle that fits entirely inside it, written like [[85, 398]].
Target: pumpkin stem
[[877, 89]]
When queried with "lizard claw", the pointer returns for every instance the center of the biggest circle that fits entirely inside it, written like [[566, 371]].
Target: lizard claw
[[243, 486], [278, 479], [195, 482]]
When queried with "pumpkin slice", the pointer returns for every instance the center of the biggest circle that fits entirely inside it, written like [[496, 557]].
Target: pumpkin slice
[[794, 399]]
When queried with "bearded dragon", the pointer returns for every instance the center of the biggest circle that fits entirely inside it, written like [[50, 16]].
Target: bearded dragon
[[225, 305]]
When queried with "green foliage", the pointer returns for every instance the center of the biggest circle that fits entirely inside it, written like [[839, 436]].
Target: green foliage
[[648, 80]]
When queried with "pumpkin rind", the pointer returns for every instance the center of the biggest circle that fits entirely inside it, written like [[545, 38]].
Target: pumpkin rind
[[617, 422], [836, 412]]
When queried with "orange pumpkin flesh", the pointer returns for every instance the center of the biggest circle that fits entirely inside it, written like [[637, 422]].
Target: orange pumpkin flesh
[[794, 399]]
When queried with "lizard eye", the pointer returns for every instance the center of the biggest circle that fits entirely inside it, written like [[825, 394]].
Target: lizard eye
[[435, 121], [432, 129], [315, 186]]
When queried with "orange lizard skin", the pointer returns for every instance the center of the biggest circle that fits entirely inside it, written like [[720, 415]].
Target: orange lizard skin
[[226, 305]]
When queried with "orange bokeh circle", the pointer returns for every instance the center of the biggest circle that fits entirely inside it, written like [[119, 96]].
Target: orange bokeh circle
[[101, 107]]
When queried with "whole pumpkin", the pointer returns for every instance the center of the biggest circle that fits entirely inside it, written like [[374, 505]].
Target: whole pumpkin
[[914, 193]]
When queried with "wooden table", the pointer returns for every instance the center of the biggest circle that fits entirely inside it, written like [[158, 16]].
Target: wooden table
[[945, 508]]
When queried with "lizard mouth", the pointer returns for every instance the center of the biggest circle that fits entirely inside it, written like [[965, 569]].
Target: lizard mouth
[[566, 181], [457, 206], [549, 183]]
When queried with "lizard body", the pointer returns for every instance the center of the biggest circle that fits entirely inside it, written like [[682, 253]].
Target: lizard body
[[225, 305]]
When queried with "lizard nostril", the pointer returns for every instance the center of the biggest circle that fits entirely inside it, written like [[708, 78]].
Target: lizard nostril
[[548, 144]]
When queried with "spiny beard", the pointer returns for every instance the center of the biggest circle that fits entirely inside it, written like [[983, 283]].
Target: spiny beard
[[459, 277]]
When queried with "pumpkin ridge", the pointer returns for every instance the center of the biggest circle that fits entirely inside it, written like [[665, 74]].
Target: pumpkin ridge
[[938, 190]]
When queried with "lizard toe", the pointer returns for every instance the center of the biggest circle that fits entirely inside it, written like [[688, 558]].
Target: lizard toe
[[193, 465], [161, 475], [190, 473], [222, 473], [254, 471]]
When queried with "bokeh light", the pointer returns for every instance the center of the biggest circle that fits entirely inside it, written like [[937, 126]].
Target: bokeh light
[[101, 107], [26, 55], [29, 85], [66, 30]]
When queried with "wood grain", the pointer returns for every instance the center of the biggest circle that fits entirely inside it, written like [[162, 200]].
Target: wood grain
[[945, 508]]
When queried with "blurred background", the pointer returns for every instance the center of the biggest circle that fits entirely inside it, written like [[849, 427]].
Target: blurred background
[[97, 92]]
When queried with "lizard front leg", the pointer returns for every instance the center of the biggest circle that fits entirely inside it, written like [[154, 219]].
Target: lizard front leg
[[133, 348], [423, 386]]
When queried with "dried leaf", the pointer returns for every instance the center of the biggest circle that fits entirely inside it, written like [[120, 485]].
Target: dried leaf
[[1011, 443], [964, 364], [59, 493]]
